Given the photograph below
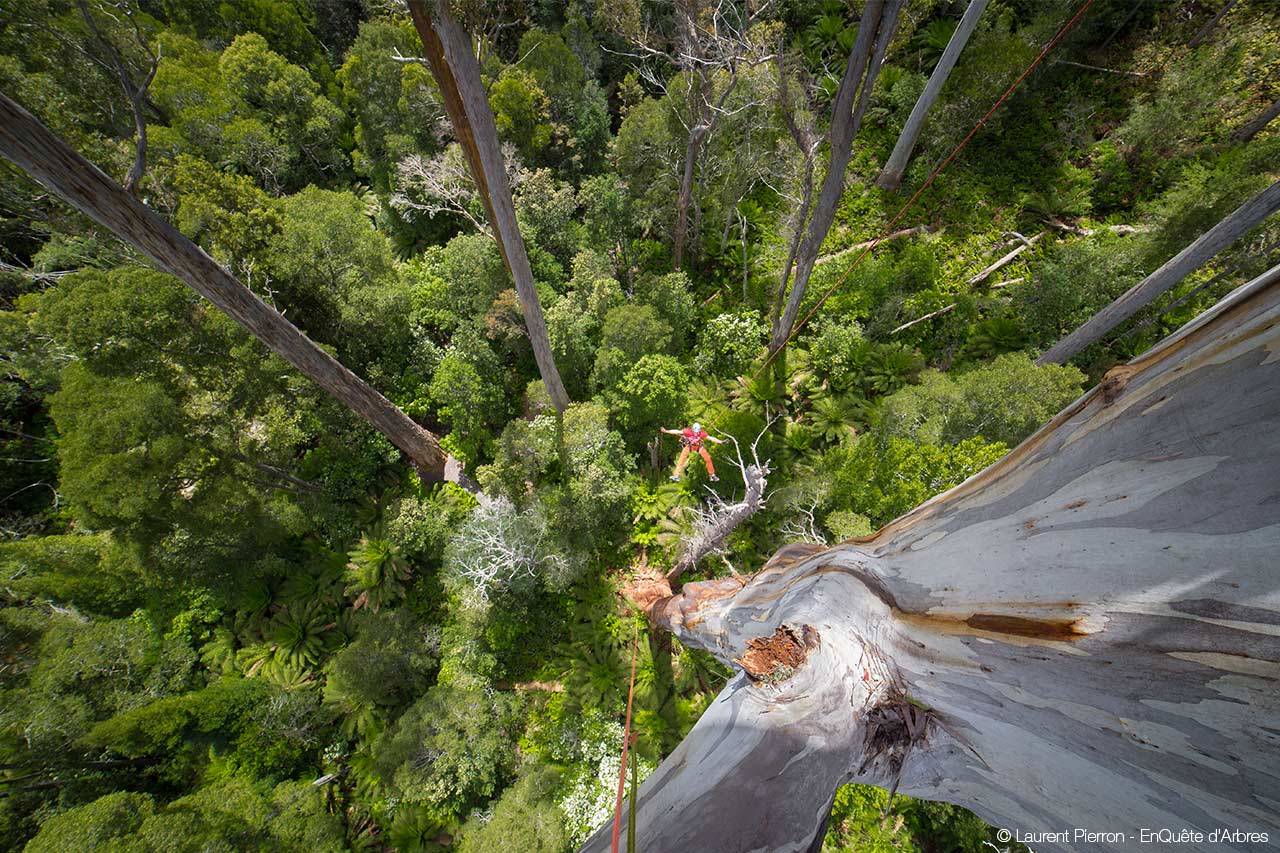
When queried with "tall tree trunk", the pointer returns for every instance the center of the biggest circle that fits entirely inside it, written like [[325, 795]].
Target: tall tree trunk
[[46, 158], [684, 196], [1082, 635], [891, 177], [457, 73], [1209, 27], [1250, 130], [875, 29], [1217, 238]]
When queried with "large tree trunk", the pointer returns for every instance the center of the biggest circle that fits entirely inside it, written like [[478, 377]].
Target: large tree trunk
[[1250, 130], [1243, 220], [1203, 32], [46, 158], [891, 177], [457, 73], [1082, 635], [875, 30]]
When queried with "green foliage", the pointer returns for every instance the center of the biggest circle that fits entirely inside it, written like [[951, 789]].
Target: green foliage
[[1074, 282], [377, 572], [450, 749], [883, 478], [629, 331], [181, 725], [651, 394], [728, 344], [89, 572], [386, 666], [394, 105], [172, 486], [525, 817], [248, 108], [232, 815], [1003, 402]]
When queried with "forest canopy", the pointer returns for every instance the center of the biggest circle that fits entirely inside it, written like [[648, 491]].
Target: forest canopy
[[236, 614]]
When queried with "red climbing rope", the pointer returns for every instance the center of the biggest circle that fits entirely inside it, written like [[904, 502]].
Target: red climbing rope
[[941, 166], [626, 742]]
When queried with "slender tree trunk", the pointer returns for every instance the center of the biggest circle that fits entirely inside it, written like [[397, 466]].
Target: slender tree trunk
[[1142, 294], [457, 73], [684, 196], [875, 29], [891, 177], [1253, 128], [1082, 635], [1208, 28], [46, 158]]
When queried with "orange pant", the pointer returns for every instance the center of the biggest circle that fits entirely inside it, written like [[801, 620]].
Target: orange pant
[[684, 460]]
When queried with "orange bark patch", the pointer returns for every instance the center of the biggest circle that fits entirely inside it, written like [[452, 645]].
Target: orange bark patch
[[1041, 629], [646, 587], [777, 656]]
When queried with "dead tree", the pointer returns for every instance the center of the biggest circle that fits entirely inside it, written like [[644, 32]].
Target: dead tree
[[891, 177], [709, 45], [457, 73], [1142, 294], [713, 524], [443, 184], [1082, 635], [875, 30], [47, 159]]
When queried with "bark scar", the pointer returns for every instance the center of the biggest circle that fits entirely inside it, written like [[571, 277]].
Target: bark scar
[[775, 658]]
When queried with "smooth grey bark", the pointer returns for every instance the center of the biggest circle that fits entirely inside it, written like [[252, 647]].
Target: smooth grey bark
[[40, 153], [1253, 128], [891, 177], [1217, 238], [1208, 28], [457, 73], [1091, 624], [875, 30]]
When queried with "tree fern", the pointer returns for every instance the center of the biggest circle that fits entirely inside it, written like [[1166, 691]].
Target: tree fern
[[376, 573]]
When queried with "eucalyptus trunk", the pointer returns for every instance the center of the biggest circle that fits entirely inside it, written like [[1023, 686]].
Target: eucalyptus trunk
[[1254, 127], [1084, 635], [457, 73], [891, 177], [875, 30], [40, 153], [1243, 220]]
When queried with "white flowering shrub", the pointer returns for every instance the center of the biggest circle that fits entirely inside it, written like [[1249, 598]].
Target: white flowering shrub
[[588, 798], [729, 343]]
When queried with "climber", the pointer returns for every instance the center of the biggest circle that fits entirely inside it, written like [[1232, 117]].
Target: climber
[[692, 438]]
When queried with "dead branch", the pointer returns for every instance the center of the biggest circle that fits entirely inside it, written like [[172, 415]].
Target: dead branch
[[713, 525], [858, 247], [1007, 259]]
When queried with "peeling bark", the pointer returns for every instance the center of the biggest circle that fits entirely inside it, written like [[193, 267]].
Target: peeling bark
[[1088, 627]]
